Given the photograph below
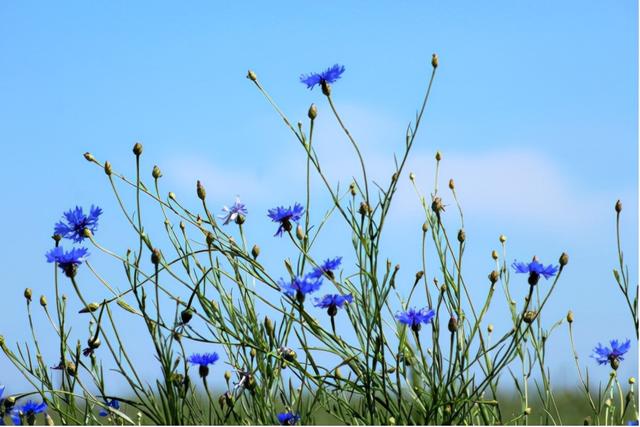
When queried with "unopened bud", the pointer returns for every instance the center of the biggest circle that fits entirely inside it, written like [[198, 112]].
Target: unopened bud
[[313, 112], [210, 238], [632, 380], [425, 227], [156, 172], [253, 353], [494, 255], [352, 189], [412, 176], [434, 60], [27, 294], [530, 316], [452, 185], [155, 256], [453, 324], [252, 76], [227, 376], [503, 238], [494, 276], [618, 206], [570, 316], [461, 236], [107, 168], [137, 149], [268, 326], [255, 251], [490, 328], [90, 308], [527, 411], [202, 193], [364, 209], [186, 315], [299, 232], [43, 301], [564, 259], [438, 156], [89, 157]]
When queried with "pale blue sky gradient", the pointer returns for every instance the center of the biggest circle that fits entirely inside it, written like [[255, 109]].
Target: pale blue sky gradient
[[534, 108]]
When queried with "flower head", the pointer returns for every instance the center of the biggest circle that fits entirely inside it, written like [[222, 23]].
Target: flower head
[[67, 261], [75, 221], [111, 403], [288, 418], [330, 75], [535, 270], [29, 410], [299, 287], [236, 212], [414, 318], [203, 361], [326, 267], [613, 355], [333, 302], [285, 216]]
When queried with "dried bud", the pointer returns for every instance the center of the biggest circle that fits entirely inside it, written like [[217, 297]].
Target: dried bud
[[202, 193], [252, 76], [43, 301], [89, 157], [494, 276], [503, 238], [618, 206], [530, 316], [156, 172], [570, 316], [107, 168], [452, 185], [461, 236], [434, 60], [255, 251], [27, 294], [364, 209], [137, 149], [494, 255], [564, 259], [156, 257], [299, 232], [437, 206], [313, 112], [438, 156], [453, 324]]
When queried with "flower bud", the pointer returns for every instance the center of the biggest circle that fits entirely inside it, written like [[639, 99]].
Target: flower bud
[[425, 227], [461, 236], [352, 189], [27, 294], [530, 316], [90, 308], [490, 328], [434, 60], [107, 168], [202, 193], [43, 301], [527, 411], [632, 381], [186, 315], [268, 326], [494, 255], [137, 149], [412, 176], [494, 276], [313, 112], [438, 156], [156, 172], [93, 342], [89, 157], [255, 251], [156, 256], [252, 76], [453, 324], [452, 185], [503, 238], [299, 232], [364, 209], [618, 206], [437, 206], [253, 353], [564, 259], [570, 316]]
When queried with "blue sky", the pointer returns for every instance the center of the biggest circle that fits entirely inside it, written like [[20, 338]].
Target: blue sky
[[534, 109]]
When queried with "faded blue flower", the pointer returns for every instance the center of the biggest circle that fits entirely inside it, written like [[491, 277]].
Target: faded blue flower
[[333, 302], [75, 221], [330, 75], [299, 287], [535, 270], [29, 411], [288, 418], [613, 355], [285, 216], [236, 212], [203, 361], [414, 318], [112, 403], [326, 267], [67, 261]]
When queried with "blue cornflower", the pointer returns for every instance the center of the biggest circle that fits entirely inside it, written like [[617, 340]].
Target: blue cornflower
[[299, 287], [67, 261], [326, 267], [613, 355], [29, 411], [236, 212], [203, 361], [75, 221], [333, 302], [284, 216], [111, 403], [632, 423], [324, 78], [535, 270], [414, 318], [288, 418]]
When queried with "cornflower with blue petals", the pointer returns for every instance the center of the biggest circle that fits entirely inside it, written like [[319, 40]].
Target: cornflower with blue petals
[[535, 270], [111, 403], [67, 261], [285, 216], [333, 302], [203, 361], [237, 213], [327, 268], [299, 287], [613, 355], [415, 318], [75, 221], [288, 418], [328, 76], [27, 411]]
